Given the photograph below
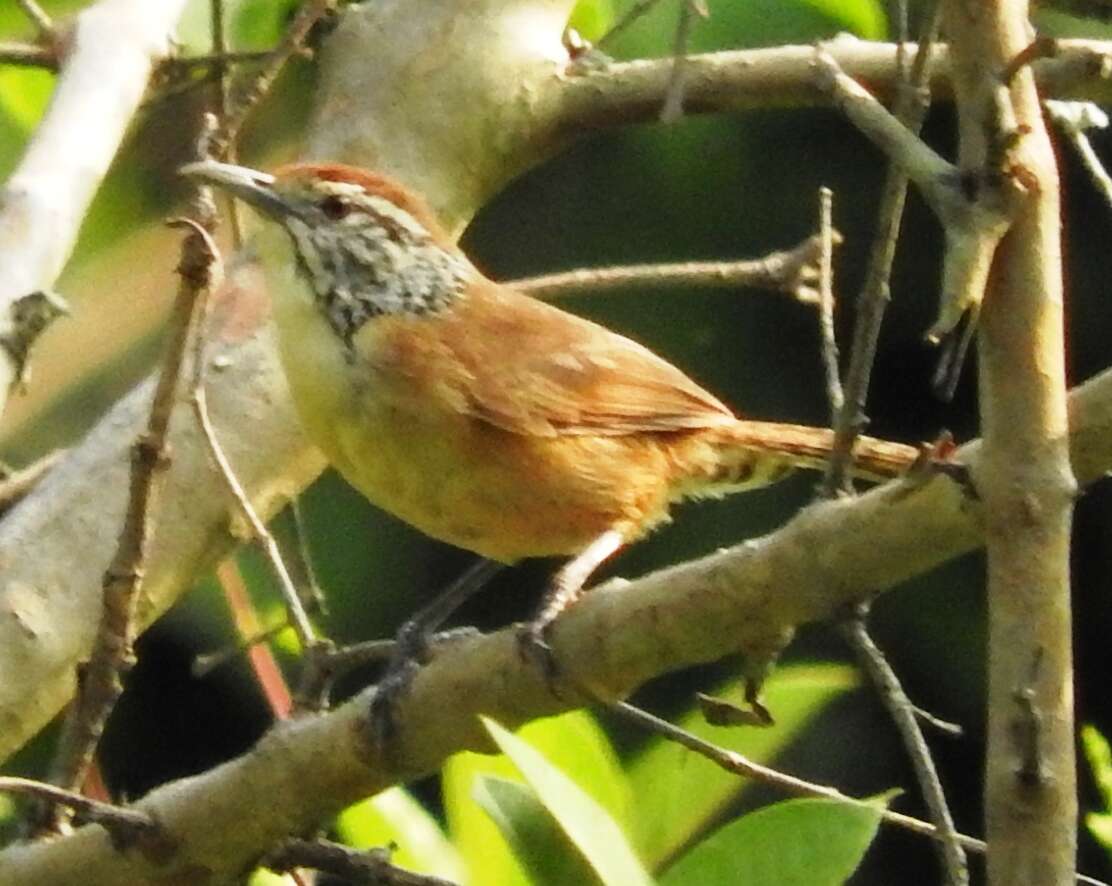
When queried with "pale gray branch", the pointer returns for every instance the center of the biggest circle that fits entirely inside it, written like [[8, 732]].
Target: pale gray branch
[[750, 597], [113, 46]]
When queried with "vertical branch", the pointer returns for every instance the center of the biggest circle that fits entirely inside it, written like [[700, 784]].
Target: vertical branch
[[1024, 479], [112, 654], [872, 302]]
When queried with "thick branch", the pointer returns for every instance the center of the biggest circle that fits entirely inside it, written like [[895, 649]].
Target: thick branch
[[749, 596], [113, 48], [1025, 480]]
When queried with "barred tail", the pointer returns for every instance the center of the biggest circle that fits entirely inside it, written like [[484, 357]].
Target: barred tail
[[749, 454]]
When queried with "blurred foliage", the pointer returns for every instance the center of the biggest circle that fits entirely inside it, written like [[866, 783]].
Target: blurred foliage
[[727, 186], [1099, 756], [559, 806]]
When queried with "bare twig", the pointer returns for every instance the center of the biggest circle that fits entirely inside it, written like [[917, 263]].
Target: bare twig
[[791, 271], [299, 620], [43, 23], [673, 94], [267, 673], [15, 484], [631, 15], [28, 55], [112, 654], [126, 826], [111, 48], [1073, 119], [224, 109], [178, 64], [371, 867], [825, 305], [738, 764], [911, 106], [292, 44], [899, 708]]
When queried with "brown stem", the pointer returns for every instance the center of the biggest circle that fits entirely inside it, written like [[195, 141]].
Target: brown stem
[[1025, 478]]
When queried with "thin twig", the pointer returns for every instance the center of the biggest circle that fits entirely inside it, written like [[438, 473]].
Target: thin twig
[[112, 653], [734, 762], [792, 271], [826, 304], [267, 672], [899, 708], [224, 109], [172, 65], [43, 23], [15, 485], [371, 867], [1072, 119], [28, 55], [872, 302], [308, 585], [672, 109], [292, 44], [125, 825], [632, 14], [299, 620], [731, 761], [207, 662]]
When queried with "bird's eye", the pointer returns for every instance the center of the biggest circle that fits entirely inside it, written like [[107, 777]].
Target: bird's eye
[[334, 208]]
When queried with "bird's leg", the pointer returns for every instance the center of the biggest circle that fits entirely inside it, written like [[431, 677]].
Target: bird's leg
[[413, 641], [565, 589]]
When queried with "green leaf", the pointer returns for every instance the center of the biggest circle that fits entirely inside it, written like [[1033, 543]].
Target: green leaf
[[795, 843], [592, 18], [263, 877], [1099, 755], [395, 818], [534, 836], [574, 743], [24, 93], [585, 821], [864, 18], [680, 794]]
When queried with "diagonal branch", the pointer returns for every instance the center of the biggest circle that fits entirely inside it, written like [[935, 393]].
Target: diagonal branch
[[750, 596], [112, 50]]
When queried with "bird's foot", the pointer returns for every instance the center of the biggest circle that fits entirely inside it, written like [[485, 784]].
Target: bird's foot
[[413, 648], [533, 646]]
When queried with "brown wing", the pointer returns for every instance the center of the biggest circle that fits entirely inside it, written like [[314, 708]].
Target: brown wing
[[531, 368]]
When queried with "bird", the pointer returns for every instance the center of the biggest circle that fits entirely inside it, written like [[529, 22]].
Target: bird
[[484, 417]]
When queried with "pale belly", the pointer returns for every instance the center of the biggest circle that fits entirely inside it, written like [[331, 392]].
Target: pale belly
[[502, 495], [456, 478]]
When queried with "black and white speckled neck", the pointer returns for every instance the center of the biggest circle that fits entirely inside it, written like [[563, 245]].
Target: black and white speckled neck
[[375, 260]]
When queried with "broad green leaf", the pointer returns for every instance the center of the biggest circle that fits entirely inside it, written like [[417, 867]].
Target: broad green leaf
[[574, 743], [863, 18], [537, 841], [795, 843], [395, 818], [680, 794], [24, 93], [1099, 755], [592, 18], [585, 821], [263, 877], [486, 853]]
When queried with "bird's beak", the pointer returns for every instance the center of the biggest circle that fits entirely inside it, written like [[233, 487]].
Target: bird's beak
[[251, 186]]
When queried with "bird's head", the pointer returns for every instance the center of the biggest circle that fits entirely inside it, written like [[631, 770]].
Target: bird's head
[[363, 244]]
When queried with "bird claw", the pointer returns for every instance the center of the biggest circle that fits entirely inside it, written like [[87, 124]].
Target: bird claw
[[391, 689], [534, 649], [414, 648]]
